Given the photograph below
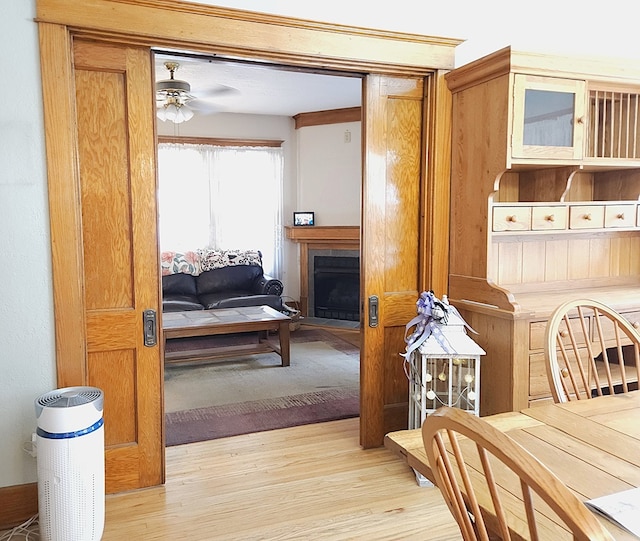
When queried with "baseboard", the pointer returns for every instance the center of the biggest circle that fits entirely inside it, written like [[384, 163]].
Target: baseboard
[[17, 504]]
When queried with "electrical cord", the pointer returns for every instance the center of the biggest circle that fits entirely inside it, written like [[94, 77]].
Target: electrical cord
[[29, 530]]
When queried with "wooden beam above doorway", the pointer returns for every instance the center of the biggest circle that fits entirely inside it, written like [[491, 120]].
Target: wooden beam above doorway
[[335, 116], [238, 33]]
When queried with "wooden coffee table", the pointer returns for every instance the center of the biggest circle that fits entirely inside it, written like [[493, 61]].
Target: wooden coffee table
[[260, 319]]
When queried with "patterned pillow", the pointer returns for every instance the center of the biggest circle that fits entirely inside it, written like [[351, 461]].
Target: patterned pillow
[[180, 262], [217, 259]]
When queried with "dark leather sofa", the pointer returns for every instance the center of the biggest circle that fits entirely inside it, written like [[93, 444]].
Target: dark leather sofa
[[226, 287]]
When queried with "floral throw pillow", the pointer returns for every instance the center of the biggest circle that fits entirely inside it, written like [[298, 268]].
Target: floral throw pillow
[[176, 262], [216, 259]]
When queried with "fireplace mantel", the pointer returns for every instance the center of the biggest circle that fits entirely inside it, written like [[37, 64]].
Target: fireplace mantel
[[324, 234], [328, 237]]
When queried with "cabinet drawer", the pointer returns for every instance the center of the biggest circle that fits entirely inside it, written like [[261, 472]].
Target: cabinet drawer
[[536, 335], [607, 327], [548, 218], [619, 215], [511, 218], [538, 329], [633, 318], [586, 216], [538, 381]]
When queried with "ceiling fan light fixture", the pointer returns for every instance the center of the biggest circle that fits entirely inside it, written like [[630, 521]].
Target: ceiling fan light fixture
[[173, 86], [162, 113], [171, 112], [175, 112], [174, 95], [183, 114]]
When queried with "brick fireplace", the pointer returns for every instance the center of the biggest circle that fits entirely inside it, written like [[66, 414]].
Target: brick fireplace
[[329, 270]]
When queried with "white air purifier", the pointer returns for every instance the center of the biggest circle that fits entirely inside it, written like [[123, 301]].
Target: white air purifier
[[70, 458]]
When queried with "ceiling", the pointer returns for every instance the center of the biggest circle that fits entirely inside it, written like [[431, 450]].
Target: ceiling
[[252, 88]]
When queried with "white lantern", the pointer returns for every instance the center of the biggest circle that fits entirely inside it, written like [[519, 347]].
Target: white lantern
[[444, 371]]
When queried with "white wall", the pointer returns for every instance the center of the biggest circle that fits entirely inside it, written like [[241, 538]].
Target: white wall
[[330, 172], [27, 363]]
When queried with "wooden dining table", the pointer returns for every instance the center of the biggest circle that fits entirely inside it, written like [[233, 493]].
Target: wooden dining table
[[593, 446]]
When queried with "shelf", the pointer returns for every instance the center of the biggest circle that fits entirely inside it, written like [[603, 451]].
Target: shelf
[[324, 233]]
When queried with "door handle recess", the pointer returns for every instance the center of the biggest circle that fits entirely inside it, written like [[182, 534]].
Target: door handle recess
[[149, 319], [373, 311]]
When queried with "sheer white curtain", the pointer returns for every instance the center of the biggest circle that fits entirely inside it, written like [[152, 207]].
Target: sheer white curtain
[[183, 197], [222, 197], [246, 201]]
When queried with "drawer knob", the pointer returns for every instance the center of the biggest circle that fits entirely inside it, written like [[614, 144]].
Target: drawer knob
[[564, 333], [550, 218], [512, 219], [564, 372], [621, 216], [586, 217], [636, 324]]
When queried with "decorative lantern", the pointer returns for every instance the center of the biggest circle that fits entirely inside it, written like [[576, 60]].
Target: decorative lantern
[[441, 361]]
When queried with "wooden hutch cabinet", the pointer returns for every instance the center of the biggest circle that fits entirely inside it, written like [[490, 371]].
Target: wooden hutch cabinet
[[544, 205]]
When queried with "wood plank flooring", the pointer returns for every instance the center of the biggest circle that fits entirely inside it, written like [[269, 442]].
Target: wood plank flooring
[[308, 482], [302, 483]]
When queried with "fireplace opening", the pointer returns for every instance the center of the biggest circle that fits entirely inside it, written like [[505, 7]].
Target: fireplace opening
[[336, 287]]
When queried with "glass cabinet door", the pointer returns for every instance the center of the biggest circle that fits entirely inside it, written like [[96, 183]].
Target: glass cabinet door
[[548, 118]]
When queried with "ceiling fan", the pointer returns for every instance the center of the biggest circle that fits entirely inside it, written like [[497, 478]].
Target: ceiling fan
[[176, 103]]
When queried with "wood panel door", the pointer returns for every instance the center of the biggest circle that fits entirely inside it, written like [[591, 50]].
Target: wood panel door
[[105, 213], [116, 153], [393, 165]]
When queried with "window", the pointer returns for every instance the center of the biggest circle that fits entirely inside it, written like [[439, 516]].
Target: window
[[222, 197]]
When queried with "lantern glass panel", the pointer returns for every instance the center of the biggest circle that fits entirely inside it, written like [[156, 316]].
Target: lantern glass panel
[[443, 381]]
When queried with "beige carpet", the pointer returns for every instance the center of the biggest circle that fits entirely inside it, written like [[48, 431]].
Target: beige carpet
[[315, 366]]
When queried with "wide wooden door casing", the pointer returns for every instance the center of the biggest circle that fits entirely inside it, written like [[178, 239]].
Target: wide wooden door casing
[[117, 272], [390, 246], [81, 333]]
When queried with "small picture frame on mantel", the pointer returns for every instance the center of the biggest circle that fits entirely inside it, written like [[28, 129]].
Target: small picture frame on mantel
[[306, 218]]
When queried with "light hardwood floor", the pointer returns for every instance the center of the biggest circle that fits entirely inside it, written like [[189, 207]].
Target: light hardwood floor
[[309, 482]]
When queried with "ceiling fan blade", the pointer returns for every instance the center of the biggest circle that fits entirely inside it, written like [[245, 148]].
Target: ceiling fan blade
[[216, 91], [203, 97], [205, 107]]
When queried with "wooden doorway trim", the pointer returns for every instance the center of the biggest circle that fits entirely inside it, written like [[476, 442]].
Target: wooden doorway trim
[[171, 24], [257, 36]]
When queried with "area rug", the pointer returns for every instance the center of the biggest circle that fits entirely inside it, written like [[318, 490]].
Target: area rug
[[258, 416], [254, 393]]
